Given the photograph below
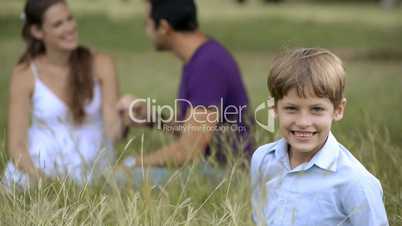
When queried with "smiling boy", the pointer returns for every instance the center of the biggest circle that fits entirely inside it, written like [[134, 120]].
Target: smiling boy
[[307, 177]]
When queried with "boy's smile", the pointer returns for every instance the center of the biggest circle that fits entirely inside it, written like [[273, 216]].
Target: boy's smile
[[305, 122]]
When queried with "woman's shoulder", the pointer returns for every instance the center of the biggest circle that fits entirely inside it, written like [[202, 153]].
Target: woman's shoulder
[[22, 68], [22, 76], [103, 65], [101, 59]]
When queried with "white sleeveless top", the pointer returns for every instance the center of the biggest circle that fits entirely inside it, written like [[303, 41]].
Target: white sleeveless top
[[57, 146]]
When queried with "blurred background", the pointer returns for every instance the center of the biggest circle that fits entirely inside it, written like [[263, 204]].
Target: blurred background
[[366, 34]]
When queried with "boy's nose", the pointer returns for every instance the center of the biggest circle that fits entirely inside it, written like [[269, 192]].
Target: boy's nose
[[303, 120]]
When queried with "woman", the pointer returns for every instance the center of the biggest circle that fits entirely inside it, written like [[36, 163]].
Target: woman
[[71, 93]]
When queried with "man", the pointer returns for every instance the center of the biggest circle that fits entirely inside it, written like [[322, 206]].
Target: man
[[213, 106]]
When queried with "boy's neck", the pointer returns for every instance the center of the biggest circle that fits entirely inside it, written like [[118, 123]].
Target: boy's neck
[[297, 157]]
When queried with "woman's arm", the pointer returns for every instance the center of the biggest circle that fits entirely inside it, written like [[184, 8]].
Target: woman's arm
[[21, 88], [106, 73]]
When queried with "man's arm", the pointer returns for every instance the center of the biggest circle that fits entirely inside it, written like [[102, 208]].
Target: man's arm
[[139, 117], [196, 134]]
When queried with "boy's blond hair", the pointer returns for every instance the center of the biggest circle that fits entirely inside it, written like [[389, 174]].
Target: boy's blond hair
[[309, 71]]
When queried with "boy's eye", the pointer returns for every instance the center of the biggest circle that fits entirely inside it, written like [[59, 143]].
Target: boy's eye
[[317, 109], [290, 108]]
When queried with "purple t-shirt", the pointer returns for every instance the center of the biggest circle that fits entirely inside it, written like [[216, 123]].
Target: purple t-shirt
[[212, 78]]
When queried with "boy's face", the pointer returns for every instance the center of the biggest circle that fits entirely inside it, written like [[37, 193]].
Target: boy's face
[[306, 122]]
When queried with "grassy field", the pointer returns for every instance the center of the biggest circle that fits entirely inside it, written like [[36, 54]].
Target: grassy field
[[370, 46]]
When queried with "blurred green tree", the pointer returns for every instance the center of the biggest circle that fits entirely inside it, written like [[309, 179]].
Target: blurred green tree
[[267, 1], [387, 4]]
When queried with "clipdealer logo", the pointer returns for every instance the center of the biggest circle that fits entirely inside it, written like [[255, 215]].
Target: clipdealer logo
[[268, 106], [231, 113]]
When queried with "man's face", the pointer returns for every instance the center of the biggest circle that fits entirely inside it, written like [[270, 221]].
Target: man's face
[[305, 122], [156, 35]]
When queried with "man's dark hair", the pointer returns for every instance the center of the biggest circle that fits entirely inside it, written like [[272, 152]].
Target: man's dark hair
[[180, 14]]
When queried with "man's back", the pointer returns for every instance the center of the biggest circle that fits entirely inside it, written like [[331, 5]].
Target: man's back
[[212, 78]]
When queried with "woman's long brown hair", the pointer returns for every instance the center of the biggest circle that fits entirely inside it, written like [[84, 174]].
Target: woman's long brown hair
[[81, 79]]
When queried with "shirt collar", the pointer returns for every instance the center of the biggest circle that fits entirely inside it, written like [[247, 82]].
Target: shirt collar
[[280, 150], [325, 158]]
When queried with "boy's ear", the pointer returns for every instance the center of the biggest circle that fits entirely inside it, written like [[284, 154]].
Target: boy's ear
[[272, 111], [339, 110], [36, 32]]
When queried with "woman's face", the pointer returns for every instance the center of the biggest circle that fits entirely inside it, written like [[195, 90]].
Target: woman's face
[[59, 30]]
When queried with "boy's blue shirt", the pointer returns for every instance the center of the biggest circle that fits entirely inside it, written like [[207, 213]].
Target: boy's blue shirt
[[333, 188]]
